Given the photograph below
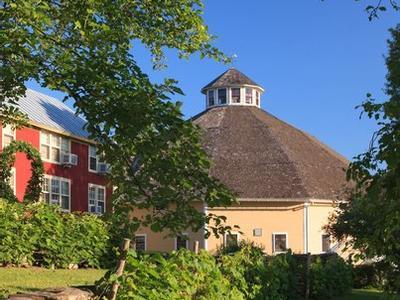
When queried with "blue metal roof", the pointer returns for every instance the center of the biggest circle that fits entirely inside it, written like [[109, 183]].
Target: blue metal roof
[[52, 112]]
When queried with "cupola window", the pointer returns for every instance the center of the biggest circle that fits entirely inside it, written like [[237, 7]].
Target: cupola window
[[249, 95], [211, 100], [222, 96], [235, 95], [257, 98]]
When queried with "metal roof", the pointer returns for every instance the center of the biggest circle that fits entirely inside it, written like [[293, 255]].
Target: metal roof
[[51, 112]]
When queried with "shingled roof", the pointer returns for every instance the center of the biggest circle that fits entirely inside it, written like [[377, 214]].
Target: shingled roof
[[231, 77], [261, 157]]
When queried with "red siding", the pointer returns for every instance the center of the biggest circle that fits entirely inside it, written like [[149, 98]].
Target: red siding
[[79, 175]]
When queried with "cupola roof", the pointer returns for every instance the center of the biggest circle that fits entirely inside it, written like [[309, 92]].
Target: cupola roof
[[231, 77]]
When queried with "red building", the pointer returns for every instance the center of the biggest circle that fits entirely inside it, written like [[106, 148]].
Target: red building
[[74, 176]]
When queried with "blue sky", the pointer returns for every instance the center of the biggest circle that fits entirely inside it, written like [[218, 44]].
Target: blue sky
[[316, 60]]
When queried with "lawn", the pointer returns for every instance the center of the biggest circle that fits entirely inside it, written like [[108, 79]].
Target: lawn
[[365, 295], [30, 279]]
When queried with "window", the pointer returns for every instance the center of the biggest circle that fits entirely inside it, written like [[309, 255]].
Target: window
[[97, 198], [52, 145], [140, 242], [249, 95], [231, 239], [12, 180], [235, 95], [8, 135], [257, 232], [94, 159], [326, 243], [222, 96], [211, 100], [56, 191], [182, 242], [257, 98], [280, 242]]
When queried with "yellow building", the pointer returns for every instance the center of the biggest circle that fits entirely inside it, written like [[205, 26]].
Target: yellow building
[[287, 181]]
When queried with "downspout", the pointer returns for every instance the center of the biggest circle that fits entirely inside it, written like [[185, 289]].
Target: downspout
[[306, 227], [205, 241]]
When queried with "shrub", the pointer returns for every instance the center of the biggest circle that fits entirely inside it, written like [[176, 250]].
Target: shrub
[[367, 276], [244, 274], [260, 277], [17, 244], [43, 235], [330, 278], [246, 269], [183, 275]]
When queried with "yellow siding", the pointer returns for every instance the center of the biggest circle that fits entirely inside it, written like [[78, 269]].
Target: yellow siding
[[276, 217]]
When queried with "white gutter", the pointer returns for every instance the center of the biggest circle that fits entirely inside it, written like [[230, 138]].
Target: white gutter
[[205, 241], [306, 227]]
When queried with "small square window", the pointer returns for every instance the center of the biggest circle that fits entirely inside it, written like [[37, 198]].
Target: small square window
[[326, 243], [182, 242], [231, 239], [140, 243], [257, 232], [280, 242]]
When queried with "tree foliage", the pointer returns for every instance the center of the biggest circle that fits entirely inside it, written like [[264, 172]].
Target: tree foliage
[[86, 50], [370, 221]]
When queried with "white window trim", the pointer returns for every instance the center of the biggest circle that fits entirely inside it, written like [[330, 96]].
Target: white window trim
[[14, 173], [273, 242], [232, 232], [50, 177], [187, 241], [322, 243], [145, 240], [51, 146], [252, 96], [98, 161], [231, 95], [227, 96], [105, 197], [2, 136], [208, 98]]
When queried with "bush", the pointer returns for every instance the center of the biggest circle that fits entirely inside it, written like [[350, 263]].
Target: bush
[[329, 278], [246, 269], [367, 276], [244, 274], [41, 234], [183, 275]]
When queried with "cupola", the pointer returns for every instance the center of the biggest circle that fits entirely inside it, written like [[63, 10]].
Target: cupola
[[232, 88]]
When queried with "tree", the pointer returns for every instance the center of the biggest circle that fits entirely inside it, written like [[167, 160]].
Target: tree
[[86, 50], [370, 220]]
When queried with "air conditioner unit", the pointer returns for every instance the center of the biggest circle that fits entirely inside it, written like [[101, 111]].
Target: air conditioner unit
[[69, 159], [103, 168]]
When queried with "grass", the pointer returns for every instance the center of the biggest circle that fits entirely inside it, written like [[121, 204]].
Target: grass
[[30, 279], [365, 295]]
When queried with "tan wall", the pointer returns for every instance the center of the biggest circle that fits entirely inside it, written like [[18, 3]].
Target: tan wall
[[318, 218], [163, 241], [271, 217]]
